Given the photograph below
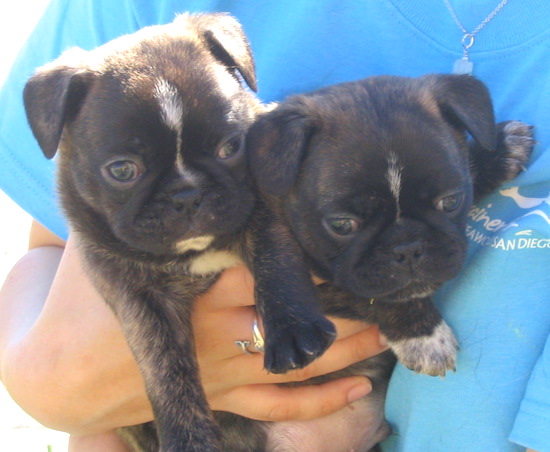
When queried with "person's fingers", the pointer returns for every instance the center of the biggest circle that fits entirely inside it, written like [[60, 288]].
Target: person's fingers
[[216, 331], [248, 370], [343, 353], [276, 403], [219, 324]]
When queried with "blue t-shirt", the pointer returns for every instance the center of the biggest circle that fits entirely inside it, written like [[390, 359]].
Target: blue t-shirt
[[499, 307]]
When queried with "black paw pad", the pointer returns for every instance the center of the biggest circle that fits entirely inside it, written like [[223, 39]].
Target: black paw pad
[[295, 345]]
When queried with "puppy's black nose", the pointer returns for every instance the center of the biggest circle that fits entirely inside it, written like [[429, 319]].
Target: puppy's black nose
[[408, 253], [188, 199]]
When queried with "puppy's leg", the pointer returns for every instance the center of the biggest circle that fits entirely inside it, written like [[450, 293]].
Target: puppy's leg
[[296, 332], [418, 336], [141, 437], [161, 339], [155, 315], [491, 168]]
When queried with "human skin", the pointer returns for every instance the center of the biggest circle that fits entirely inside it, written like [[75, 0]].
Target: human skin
[[64, 359]]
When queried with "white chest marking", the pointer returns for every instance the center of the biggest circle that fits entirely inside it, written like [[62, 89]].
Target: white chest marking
[[194, 244], [214, 262]]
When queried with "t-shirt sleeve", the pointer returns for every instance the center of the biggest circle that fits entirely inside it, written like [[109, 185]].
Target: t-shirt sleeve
[[532, 425]]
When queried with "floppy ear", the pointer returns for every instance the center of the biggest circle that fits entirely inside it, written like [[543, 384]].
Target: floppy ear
[[53, 96], [276, 145], [229, 45], [465, 102]]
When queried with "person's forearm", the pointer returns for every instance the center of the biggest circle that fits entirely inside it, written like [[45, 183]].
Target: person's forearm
[[65, 360], [57, 333], [22, 300]]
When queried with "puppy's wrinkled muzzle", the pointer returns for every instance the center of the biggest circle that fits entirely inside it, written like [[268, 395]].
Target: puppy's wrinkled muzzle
[[186, 200], [409, 254]]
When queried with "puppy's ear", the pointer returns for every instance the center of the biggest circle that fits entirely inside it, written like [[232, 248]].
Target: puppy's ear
[[229, 45], [465, 102], [52, 96], [276, 145]]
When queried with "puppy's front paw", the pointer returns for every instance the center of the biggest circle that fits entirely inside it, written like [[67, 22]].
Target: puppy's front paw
[[431, 355], [295, 344], [514, 147]]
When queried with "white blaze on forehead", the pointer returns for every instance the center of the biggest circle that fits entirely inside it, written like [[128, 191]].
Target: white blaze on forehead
[[227, 83], [171, 108], [190, 177], [393, 176], [171, 105]]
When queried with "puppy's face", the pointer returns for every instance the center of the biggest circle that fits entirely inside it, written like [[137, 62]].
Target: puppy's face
[[380, 198], [153, 135], [387, 219], [162, 160]]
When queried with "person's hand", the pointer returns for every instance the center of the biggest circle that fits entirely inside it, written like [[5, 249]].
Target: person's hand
[[64, 358], [232, 379]]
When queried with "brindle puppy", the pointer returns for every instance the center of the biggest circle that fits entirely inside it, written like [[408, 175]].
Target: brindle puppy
[[369, 184], [152, 174]]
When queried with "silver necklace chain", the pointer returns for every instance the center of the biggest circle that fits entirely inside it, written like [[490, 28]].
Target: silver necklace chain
[[468, 39], [481, 25]]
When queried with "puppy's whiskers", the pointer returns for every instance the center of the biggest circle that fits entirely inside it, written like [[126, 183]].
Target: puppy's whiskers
[[393, 176]]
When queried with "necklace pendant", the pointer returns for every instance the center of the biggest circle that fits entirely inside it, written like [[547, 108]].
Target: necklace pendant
[[463, 66]]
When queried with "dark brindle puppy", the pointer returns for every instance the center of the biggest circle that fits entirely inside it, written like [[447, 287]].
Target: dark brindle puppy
[[369, 184], [152, 176]]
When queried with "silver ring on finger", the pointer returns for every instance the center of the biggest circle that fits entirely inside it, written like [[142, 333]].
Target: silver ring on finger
[[257, 343], [257, 338]]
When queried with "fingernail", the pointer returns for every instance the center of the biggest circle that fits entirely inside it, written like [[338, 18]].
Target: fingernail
[[359, 390], [383, 341]]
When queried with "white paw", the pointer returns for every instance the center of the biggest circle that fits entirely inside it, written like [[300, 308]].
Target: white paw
[[431, 355]]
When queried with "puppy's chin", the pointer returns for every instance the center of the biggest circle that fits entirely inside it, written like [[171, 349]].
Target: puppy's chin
[[166, 244], [410, 291], [167, 232], [380, 278], [178, 247], [413, 291], [383, 271]]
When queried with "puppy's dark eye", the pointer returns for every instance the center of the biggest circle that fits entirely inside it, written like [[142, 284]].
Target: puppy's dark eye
[[342, 226], [230, 148], [450, 203], [123, 170]]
